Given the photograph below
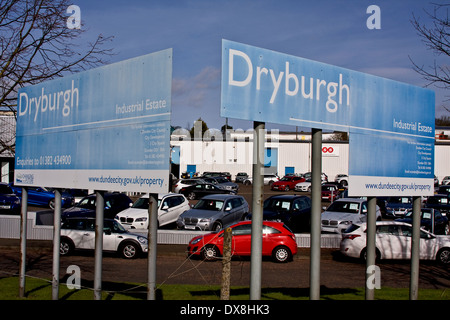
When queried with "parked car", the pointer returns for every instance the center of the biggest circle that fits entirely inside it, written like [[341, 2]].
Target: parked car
[[40, 196], [268, 179], [9, 201], [293, 210], [396, 207], [223, 183], [343, 212], [445, 180], [330, 192], [286, 183], [304, 186], [79, 233], [240, 177], [212, 174], [114, 203], [426, 214], [278, 242], [323, 176], [204, 189], [214, 212], [341, 179], [444, 189], [170, 206], [393, 241], [440, 202], [185, 183]]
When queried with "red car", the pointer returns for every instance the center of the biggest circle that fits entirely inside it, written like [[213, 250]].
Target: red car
[[278, 242], [330, 192], [287, 183]]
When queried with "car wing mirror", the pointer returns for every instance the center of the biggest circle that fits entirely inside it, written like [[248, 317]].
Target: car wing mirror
[[107, 231], [166, 207]]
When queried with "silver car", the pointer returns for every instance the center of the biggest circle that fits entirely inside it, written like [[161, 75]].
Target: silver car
[[343, 212], [214, 212]]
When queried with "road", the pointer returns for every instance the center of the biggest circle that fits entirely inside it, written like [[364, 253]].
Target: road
[[173, 267]]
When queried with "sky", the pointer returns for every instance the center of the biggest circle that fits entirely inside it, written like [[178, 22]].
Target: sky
[[330, 31]]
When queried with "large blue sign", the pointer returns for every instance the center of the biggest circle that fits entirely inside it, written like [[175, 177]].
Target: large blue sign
[[391, 124], [104, 129]]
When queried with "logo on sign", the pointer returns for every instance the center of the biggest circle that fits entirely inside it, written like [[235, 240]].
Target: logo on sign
[[330, 151]]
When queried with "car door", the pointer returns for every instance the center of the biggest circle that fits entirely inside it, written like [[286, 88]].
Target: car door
[[83, 234], [241, 240], [229, 213], [169, 209], [388, 241]]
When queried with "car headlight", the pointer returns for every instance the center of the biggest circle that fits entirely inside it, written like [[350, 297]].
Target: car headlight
[[197, 240], [346, 223], [205, 220], [143, 240], [143, 219]]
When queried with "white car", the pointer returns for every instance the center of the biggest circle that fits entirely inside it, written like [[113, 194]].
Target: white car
[[344, 212], [446, 180], [304, 186], [185, 183], [268, 179], [170, 206], [79, 233], [393, 241]]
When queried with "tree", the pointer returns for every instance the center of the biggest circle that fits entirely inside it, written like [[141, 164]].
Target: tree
[[37, 45], [436, 38]]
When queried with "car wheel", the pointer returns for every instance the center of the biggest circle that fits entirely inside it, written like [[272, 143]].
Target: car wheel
[[287, 188], [210, 253], [364, 255], [191, 196], [129, 250], [66, 247], [217, 226], [443, 256], [281, 254]]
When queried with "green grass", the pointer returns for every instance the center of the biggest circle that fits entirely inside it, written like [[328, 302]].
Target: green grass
[[38, 289]]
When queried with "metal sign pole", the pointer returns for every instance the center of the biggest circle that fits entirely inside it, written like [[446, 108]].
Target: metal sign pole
[[23, 242], [152, 245], [257, 210], [316, 212], [99, 215], [56, 244], [370, 245], [415, 248]]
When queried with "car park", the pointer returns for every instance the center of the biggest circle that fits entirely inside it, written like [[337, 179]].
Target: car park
[[170, 206], [344, 212], [40, 196], [114, 203], [9, 201], [287, 183], [396, 207], [240, 177], [440, 202], [330, 192], [428, 217], [393, 241], [293, 210], [267, 180], [214, 212], [79, 233], [278, 242], [200, 190]]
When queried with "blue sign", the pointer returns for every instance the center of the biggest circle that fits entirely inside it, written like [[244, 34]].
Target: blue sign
[[104, 129], [388, 121]]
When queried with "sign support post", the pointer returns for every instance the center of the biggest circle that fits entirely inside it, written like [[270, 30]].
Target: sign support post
[[370, 245], [99, 213], [415, 248], [23, 242], [316, 211], [257, 210], [56, 244], [152, 245]]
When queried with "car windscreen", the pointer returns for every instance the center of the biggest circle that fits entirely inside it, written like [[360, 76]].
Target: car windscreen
[[4, 189], [343, 206], [277, 205], [209, 204], [142, 203]]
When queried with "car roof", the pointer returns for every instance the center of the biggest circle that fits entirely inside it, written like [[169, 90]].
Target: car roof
[[287, 196], [351, 200], [221, 196]]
